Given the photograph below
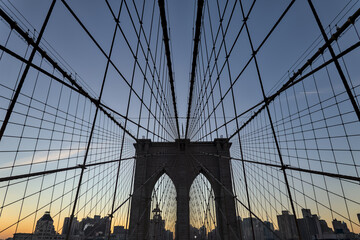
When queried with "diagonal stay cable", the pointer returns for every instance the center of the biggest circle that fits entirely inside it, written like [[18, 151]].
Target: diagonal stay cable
[[200, 6], [215, 54], [77, 87], [228, 191], [161, 169], [155, 72], [286, 86], [250, 59], [328, 174], [292, 81], [272, 97], [79, 90], [168, 59], [106, 55], [26, 70], [213, 218], [338, 67]]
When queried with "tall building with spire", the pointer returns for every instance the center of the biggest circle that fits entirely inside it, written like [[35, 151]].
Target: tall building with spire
[[157, 226]]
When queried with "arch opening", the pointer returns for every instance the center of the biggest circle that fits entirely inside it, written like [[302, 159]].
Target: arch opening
[[203, 222], [162, 210]]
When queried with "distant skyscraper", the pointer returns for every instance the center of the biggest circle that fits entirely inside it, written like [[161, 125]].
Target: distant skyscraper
[[287, 226], [263, 230], [340, 227], [97, 218], [247, 229], [119, 229], [311, 227], [268, 231], [74, 228], [95, 227], [312, 222], [324, 227], [119, 233], [169, 235], [157, 226], [306, 212], [65, 225], [90, 227], [202, 233], [212, 235]]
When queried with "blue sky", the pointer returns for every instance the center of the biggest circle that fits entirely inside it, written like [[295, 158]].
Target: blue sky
[[289, 41]]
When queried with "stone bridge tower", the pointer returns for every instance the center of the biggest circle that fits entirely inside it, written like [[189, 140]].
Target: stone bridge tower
[[182, 161]]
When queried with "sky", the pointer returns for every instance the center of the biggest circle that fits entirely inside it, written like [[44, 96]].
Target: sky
[[278, 56], [290, 40]]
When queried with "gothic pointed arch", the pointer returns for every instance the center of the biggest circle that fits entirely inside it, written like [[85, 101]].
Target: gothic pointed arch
[[203, 223], [162, 209]]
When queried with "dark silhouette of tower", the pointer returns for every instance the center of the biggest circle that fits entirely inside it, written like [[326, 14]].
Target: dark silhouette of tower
[[182, 161]]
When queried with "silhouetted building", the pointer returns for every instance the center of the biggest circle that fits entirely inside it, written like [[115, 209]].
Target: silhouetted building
[[44, 230], [169, 235], [239, 223], [324, 227], [263, 230], [45, 226], [287, 226], [268, 231], [311, 227], [157, 227], [24, 236], [119, 233], [202, 233], [119, 229], [198, 233], [213, 234], [93, 228], [74, 229], [340, 227], [88, 228]]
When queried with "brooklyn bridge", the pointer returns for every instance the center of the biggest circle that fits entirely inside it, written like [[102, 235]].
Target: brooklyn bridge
[[163, 119]]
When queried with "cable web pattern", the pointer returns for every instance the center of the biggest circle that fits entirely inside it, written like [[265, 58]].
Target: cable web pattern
[[81, 83]]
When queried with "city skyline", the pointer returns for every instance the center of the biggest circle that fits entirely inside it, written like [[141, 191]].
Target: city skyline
[[99, 224]]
